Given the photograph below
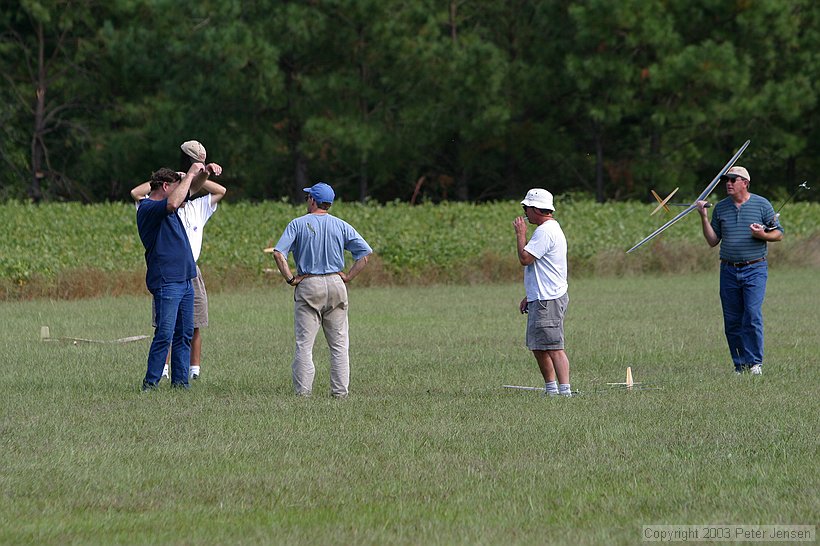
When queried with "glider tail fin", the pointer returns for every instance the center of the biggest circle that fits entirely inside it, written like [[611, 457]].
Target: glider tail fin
[[662, 202]]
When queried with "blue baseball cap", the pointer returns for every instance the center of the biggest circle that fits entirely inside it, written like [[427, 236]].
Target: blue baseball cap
[[321, 193]]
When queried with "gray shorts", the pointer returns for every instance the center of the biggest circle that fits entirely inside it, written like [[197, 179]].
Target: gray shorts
[[200, 303], [545, 324], [200, 300]]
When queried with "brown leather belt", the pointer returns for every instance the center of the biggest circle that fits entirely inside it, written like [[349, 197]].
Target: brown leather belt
[[742, 264]]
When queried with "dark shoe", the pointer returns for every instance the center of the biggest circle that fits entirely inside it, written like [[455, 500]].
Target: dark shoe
[[184, 386], [148, 387]]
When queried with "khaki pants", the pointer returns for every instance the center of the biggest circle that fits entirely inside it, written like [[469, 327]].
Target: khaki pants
[[321, 302]]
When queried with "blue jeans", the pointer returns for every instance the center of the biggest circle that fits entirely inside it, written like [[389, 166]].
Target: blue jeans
[[742, 290], [174, 305]]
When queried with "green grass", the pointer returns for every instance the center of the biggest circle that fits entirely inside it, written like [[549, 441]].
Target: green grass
[[429, 449]]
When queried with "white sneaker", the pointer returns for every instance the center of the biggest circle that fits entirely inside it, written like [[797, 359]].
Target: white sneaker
[[757, 369]]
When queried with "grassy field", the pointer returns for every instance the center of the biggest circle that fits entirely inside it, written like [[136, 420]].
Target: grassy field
[[429, 449]]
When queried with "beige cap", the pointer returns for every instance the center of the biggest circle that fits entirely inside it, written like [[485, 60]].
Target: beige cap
[[538, 198], [194, 149], [736, 171]]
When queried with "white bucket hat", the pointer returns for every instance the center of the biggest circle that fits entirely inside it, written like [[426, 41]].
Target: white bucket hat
[[538, 198]]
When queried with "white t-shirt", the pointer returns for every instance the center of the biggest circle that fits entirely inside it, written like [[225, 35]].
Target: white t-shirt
[[546, 277], [194, 215]]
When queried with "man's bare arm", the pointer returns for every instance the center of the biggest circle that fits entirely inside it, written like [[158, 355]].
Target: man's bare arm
[[216, 190], [141, 191], [196, 174], [284, 267], [355, 269]]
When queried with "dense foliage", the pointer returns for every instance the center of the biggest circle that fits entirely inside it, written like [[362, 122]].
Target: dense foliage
[[411, 99], [454, 241]]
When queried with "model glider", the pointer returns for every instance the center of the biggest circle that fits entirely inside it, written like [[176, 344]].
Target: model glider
[[703, 195], [629, 383], [773, 225], [45, 335]]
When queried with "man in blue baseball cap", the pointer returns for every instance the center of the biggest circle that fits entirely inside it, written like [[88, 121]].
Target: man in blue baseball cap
[[318, 241], [321, 193]]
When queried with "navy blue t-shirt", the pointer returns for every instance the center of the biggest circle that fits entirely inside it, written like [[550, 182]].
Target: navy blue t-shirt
[[167, 250]]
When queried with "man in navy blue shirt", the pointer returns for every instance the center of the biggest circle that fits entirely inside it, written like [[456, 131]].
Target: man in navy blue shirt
[[171, 267], [743, 223]]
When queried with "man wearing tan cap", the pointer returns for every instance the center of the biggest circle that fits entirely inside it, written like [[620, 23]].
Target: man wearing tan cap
[[739, 224], [544, 258]]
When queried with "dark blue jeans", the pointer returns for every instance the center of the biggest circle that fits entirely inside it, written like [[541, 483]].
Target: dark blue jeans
[[742, 290], [174, 304]]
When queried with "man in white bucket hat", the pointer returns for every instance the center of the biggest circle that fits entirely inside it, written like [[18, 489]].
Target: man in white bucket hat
[[544, 258]]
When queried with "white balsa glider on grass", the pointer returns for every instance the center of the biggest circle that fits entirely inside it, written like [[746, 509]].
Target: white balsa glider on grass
[[703, 195], [45, 335]]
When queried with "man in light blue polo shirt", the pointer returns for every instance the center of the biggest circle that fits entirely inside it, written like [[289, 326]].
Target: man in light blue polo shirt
[[318, 241], [743, 223]]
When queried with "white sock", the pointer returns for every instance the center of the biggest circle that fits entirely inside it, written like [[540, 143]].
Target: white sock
[[551, 387], [564, 389], [194, 370]]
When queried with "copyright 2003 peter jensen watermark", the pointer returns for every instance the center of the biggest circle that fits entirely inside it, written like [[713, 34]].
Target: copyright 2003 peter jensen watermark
[[728, 533]]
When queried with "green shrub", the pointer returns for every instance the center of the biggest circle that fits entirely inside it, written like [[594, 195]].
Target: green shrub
[[45, 241]]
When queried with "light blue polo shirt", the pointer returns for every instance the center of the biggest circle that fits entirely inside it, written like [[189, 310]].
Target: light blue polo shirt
[[318, 242], [731, 224]]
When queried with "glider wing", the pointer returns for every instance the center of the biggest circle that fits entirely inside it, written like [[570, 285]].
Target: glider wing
[[703, 195]]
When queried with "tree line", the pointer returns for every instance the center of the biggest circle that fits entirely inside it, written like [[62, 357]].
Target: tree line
[[409, 100]]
